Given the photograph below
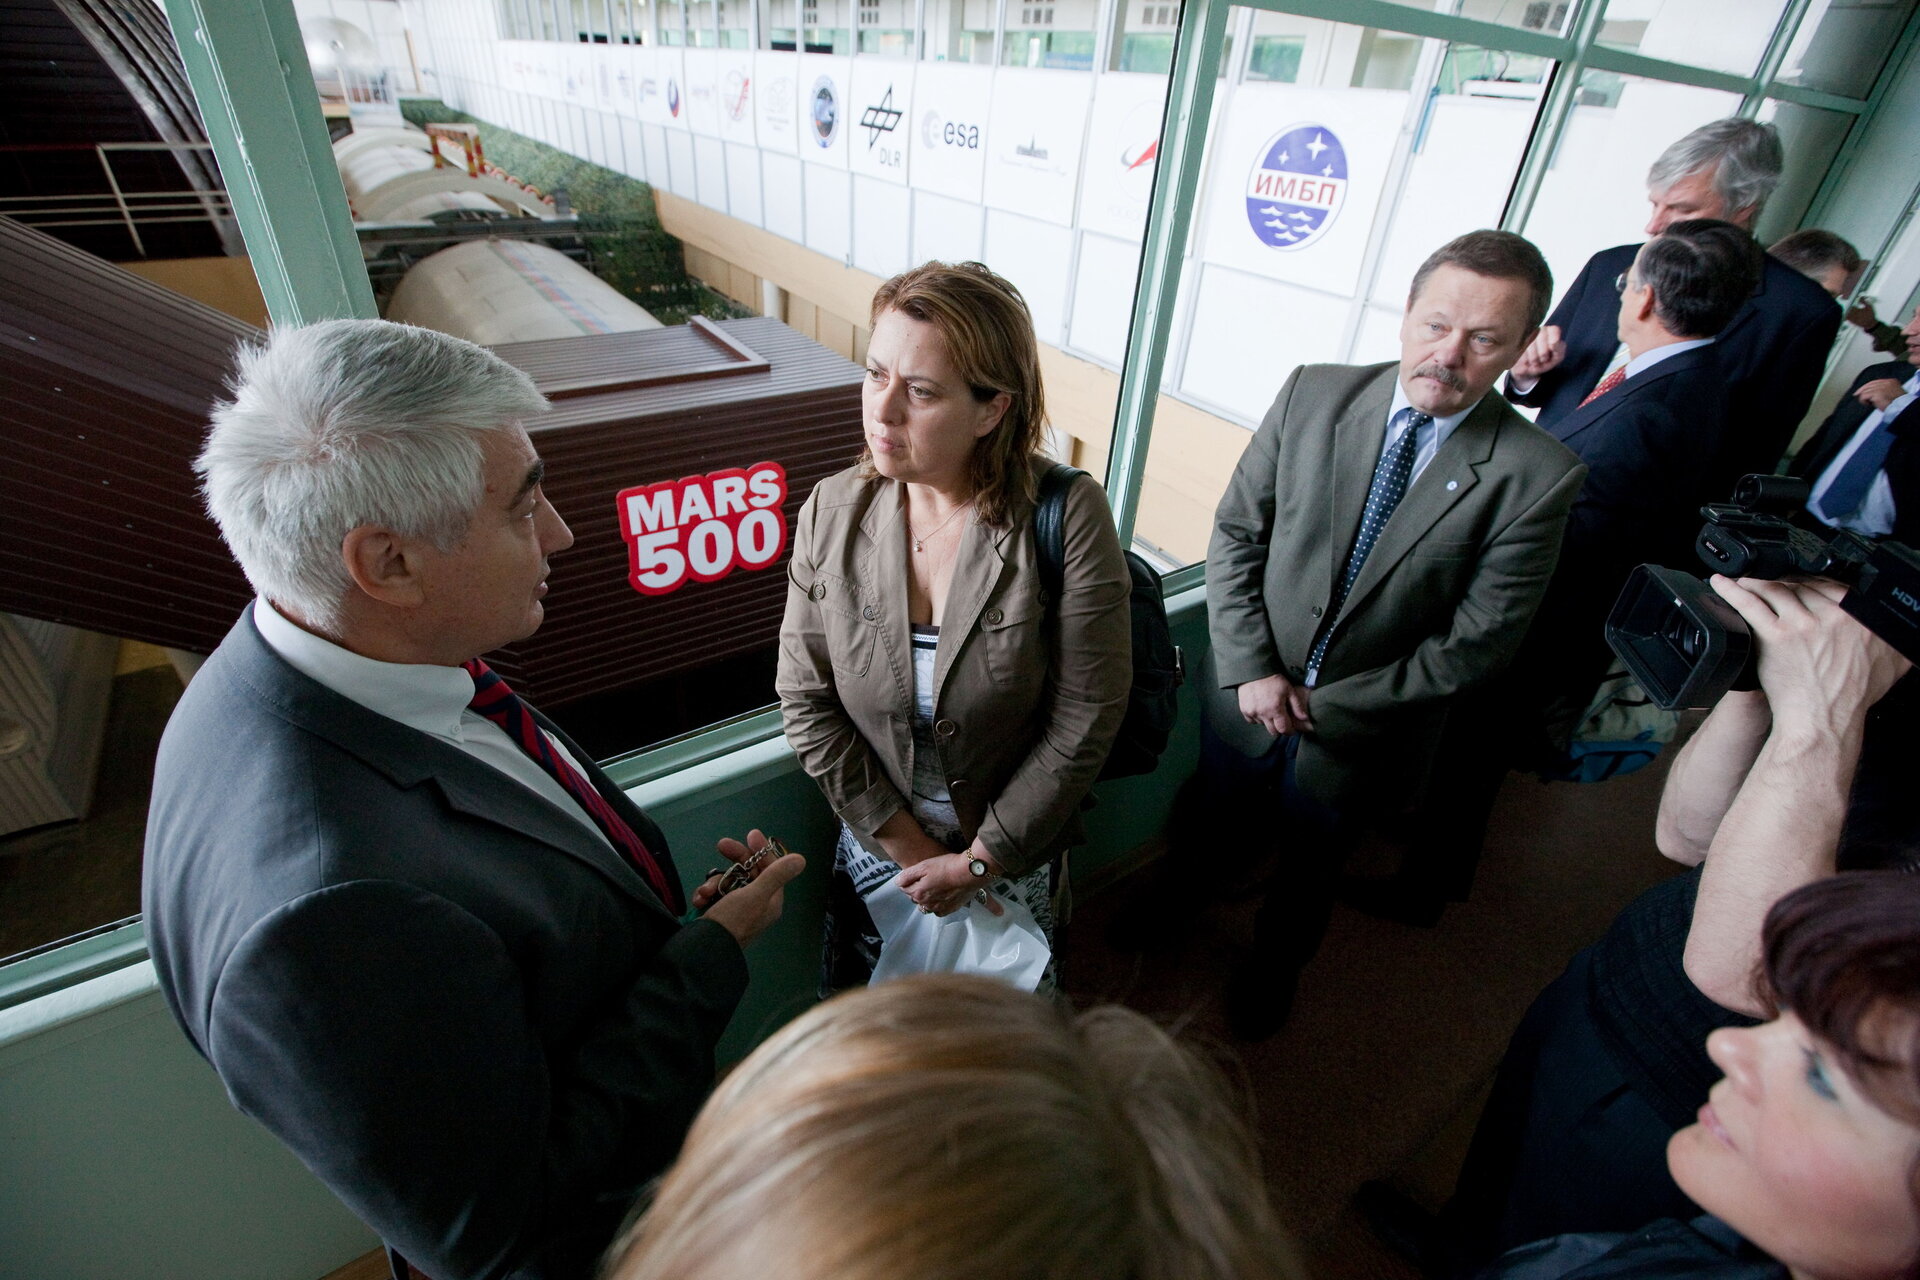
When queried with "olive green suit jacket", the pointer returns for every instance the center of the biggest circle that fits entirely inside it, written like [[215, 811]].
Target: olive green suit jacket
[[1440, 606]]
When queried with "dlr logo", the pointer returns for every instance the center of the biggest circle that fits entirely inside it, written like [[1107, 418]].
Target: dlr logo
[[702, 527]]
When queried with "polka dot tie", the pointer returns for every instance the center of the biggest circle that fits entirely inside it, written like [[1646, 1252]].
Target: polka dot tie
[[1390, 476]]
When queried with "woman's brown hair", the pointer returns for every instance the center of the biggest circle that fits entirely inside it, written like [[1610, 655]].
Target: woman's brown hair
[[948, 1127], [989, 335], [1843, 954]]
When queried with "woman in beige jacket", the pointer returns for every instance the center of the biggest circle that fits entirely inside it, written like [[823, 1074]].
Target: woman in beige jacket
[[953, 716]]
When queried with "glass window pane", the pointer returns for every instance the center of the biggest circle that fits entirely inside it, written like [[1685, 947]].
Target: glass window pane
[[1811, 138], [1333, 171], [1549, 17], [1595, 192], [1049, 33], [783, 24], [736, 24], [824, 27], [1144, 35], [958, 31], [672, 22], [1840, 47], [1720, 35], [885, 27]]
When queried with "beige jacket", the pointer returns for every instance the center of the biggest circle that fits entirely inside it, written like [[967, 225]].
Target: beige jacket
[[1024, 719], [1440, 605]]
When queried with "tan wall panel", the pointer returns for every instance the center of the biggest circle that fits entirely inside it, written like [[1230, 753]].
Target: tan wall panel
[[225, 284], [1189, 461]]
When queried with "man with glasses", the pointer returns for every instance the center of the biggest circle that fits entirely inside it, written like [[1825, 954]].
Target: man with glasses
[[1775, 348]]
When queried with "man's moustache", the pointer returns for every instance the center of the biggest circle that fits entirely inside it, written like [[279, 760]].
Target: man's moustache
[[1444, 376]]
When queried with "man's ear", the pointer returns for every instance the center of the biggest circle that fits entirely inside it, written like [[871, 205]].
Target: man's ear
[[378, 561], [1647, 304]]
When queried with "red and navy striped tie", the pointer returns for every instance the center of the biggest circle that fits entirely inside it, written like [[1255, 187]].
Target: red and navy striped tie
[[500, 704]]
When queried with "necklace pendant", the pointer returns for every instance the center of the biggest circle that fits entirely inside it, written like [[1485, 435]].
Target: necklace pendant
[[919, 545]]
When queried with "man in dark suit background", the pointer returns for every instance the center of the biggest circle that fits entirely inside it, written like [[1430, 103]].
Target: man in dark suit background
[[1380, 549], [1864, 462], [1653, 438], [1775, 348], [418, 934]]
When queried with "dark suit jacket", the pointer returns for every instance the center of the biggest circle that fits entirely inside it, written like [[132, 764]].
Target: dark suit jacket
[[471, 1019], [1441, 603], [1903, 461], [1774, 351], [1655, 454]]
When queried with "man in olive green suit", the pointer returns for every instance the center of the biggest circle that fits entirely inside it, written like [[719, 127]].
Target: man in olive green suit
[[1382, 546]]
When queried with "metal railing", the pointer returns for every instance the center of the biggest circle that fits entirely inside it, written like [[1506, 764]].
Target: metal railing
[[117, 205]]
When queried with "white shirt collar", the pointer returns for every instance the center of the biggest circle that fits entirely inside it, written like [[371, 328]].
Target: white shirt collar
[[1666, 351], [1442, 427], [421, 696]]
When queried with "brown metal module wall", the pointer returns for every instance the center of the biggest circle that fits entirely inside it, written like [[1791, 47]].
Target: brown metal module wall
[[105, 384], [600, 634]]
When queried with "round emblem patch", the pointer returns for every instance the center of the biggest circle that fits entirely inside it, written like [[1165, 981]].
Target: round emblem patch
[[1297, 186], [825, 112], [673, 97]]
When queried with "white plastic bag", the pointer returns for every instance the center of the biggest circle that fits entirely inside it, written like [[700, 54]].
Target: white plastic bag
[[1008, 946]]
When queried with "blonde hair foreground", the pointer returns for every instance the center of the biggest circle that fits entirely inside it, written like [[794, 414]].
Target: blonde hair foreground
[[952, 1128]]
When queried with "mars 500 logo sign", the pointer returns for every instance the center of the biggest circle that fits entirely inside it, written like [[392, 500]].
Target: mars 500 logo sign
[[1297, 186], [703, 527]]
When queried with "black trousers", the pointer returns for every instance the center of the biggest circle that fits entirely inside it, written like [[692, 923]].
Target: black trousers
[[1566, 1143]]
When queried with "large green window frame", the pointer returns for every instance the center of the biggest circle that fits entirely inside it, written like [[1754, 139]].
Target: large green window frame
[[250, 73]]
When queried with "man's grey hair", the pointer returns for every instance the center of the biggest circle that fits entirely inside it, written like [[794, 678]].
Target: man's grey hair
[[348, 423], [1745, 156]]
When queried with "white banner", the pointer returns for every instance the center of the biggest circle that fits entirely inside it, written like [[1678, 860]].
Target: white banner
[[1037, 128], [733, 83], [776, 99], [823, 100], [576, 74], [950, 107], [609, 64], [515, 59], [1296, 177], [662, 86], [1123, 144], [880, 117], [703, 103]]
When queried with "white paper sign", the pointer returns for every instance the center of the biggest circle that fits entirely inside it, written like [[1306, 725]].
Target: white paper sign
[[703, 104], [881, 118], [608, 63], [1037, 129], [516, 66], [734, 85], [576, 75], [1296, 176], [776, 100], [950, 108], [823, 100], [663, 88], [1123, 146]]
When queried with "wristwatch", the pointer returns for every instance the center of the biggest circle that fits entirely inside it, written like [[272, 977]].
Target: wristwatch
[[979, 867]]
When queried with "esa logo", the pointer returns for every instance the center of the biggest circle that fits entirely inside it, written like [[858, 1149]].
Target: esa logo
[[703, 527], [938, 131]]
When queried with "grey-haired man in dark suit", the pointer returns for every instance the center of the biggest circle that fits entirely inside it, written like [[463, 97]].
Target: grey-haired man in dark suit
[[418, 934]]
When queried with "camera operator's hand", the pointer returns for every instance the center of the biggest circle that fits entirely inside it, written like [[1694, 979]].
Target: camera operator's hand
[[1820, 668]]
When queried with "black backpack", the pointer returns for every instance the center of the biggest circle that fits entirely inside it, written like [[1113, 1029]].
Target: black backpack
[[1158, 673]]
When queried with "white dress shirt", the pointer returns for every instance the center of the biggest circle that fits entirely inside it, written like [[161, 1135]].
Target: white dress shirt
[[430, 698], [1666, 351], [1436, 434], [1875, 516]]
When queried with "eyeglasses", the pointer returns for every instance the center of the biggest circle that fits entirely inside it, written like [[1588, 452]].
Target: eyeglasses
[[1620, 283]]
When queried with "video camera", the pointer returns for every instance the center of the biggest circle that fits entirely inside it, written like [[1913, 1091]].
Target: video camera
[[1686, 646]]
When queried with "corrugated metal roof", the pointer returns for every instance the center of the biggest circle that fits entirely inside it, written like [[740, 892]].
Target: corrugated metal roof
[[104, 391]]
